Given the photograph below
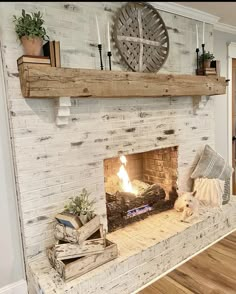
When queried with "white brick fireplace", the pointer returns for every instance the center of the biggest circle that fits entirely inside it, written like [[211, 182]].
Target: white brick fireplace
[[54, 163]]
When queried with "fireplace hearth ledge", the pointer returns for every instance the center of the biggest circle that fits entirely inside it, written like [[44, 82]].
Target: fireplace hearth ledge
[[147, 249]]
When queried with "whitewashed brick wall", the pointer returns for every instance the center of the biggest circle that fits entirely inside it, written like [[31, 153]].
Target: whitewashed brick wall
[[52, 163]]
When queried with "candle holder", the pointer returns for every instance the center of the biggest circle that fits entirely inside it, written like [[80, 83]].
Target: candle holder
[[100, 54], [109, 58], [197, 51], [203, 59]]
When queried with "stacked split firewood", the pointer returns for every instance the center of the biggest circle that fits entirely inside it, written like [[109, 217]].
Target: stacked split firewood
[[76, 252]]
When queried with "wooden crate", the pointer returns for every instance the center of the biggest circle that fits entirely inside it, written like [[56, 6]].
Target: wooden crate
[[71, 235], [70, 269], [95, 244]]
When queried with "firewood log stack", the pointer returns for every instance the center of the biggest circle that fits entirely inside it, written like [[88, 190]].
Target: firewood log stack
[[121, 203]]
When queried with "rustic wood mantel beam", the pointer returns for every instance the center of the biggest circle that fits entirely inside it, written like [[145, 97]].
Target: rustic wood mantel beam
[[52, 82]]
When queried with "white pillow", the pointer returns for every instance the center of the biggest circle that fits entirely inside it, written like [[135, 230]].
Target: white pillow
[[209, 192]]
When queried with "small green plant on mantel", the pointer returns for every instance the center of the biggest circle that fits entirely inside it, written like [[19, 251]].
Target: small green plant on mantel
[[207, 57], [81, 206], [29, 29]]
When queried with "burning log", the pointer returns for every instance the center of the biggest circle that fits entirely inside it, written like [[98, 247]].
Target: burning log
[[123, 206], [153, 190], [129, 201], [139, 186]]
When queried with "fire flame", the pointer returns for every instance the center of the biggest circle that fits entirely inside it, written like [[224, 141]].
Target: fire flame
[[124, 177], [123, 159]]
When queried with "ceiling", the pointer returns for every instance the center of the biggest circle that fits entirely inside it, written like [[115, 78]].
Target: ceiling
[[225, 10]]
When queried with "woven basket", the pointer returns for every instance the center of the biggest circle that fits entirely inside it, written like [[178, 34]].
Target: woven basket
[[141, 37]]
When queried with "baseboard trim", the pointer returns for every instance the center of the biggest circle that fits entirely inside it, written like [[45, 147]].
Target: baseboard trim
[[182, 262], [19, 287]]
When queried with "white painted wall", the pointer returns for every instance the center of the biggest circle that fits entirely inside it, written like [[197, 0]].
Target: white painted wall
[[221, 39], [11, 262]]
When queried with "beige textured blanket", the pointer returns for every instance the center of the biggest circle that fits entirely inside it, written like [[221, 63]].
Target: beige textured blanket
[[209, 191]]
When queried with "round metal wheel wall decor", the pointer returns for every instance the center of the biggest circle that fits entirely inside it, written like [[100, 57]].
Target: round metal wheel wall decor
[[141, 37]]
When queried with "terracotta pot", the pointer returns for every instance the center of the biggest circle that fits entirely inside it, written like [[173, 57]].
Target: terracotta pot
[[207, 63], [32, 46]]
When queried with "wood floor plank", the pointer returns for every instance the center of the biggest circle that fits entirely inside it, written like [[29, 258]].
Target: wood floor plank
[[211, 272], [230, 252], [167, 285], [172, 287], [212, 260], [153, 289], [189, 278], [231, 237], [216, 273]]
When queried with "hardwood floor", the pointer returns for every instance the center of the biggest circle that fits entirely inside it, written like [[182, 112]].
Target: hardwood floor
[[211, 272]]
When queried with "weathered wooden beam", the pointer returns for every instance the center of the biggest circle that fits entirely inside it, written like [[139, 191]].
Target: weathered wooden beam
[[50, 82]]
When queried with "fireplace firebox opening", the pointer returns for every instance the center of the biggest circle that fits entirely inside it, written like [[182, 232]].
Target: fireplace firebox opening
[[137, 185]]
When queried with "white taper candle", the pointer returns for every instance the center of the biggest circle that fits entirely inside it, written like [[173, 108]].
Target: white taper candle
[[197, 36], [99, 39], [203, 33], [108, 38]]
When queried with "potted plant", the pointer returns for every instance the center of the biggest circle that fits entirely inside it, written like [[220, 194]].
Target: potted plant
[[29, 29], [206, 59], [81, 206]]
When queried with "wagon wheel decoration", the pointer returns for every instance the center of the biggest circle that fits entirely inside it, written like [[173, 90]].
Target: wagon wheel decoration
[[141, 37]]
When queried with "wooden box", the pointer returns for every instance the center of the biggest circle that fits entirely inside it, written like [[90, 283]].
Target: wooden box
[[71, 235], [95, 244], [72, 268]]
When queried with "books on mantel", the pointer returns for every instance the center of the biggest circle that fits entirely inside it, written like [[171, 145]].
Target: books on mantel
[[68, 220], [48, 51], [57, 53], [210, 71], [207, 71], [216, 64], [51, 49], [42, 60], [51, 52]]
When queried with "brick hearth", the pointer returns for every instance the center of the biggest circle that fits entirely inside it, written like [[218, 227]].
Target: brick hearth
[[147, 250]]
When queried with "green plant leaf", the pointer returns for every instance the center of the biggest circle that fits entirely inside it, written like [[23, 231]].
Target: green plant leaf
[[207, 56], [30, 25], [81, 204]]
